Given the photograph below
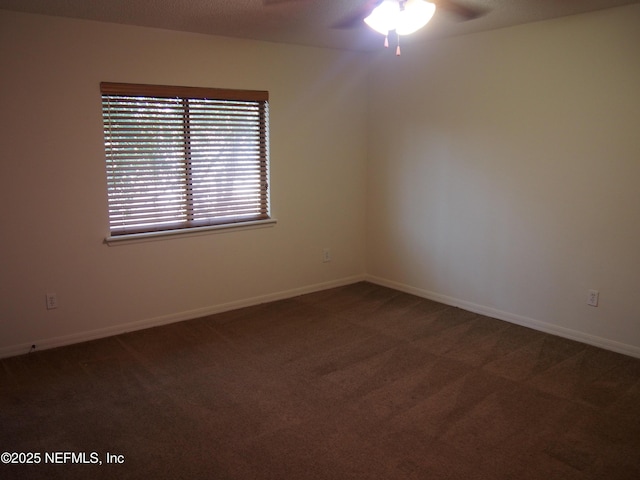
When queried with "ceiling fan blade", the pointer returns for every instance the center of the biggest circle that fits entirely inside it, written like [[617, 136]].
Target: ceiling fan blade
[[462, 11]]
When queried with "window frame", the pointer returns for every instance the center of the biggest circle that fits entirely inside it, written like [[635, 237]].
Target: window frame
[[256, 100]]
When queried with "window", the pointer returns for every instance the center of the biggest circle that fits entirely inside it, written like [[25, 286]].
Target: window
[[180, 158]]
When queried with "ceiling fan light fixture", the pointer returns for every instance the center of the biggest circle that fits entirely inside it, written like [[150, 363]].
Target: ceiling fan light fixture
[[383, 18], [416, 14], [405, 17]]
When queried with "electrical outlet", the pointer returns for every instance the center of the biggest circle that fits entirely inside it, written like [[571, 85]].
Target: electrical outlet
[[326, 255], [52, 301], [592, 298]]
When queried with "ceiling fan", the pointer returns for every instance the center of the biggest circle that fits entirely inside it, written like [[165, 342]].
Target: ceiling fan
[[461, 11], [402, 16]]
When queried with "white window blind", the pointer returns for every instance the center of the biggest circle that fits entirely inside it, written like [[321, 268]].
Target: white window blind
[[184, 157]]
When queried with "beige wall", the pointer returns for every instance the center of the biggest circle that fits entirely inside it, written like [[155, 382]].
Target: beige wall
[[496, 171], [54, 210], [504, 174]]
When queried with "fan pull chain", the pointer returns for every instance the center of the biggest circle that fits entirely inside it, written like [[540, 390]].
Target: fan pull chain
[[398, 47], [386, 41]]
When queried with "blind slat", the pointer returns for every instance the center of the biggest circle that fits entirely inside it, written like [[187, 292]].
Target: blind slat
[[182, 157]]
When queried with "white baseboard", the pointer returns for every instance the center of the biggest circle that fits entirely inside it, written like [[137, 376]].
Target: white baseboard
[[582, 337], [47, 343]]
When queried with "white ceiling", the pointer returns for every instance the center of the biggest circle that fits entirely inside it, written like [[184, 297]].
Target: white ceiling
[[302, 22]]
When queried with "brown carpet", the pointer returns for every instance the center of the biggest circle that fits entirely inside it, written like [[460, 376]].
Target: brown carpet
[[357, 382]]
